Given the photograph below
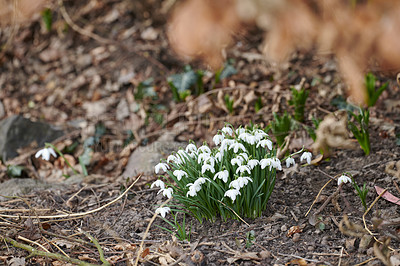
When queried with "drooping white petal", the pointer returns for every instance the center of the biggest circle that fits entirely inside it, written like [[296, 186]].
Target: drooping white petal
[[163, 211]]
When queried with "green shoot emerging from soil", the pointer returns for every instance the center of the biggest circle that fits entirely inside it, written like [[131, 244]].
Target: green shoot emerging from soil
[[373, 94], [361, 132], [234, 179], [299, 98], [281, 126], [361, 192], [180, 229]]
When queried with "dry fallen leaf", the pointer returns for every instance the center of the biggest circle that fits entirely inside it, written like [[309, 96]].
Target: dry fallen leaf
[[293, 230], [387, 196], [300, 262]]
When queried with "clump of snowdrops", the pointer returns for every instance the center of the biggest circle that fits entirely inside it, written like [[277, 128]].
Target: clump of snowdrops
[[234, 179]]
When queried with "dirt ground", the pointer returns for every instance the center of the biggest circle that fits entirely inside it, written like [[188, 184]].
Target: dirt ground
[[78, 82]]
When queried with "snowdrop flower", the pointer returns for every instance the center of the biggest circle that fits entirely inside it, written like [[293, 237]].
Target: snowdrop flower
[[218, 156], [289, 162], [208, 167], [236, 146], [240, 182], [191, 148], [167, 192], [218, 139], [306, 156], [210, 160], [242, 169], [182, 154], [252, 163], [179, 174], [223, 175], [259, 134], [204, 149], [158, 183], [244, 156], [192, 191], [196, 186], [162, 166], [232, 193], [225, 144], [163, 211], [265, 142], [227, 131], [236, 161], [247, 137], [174, 159], [266, 162], [344, 179], [276, 163], [202, 157], [240, 130], [201, 181], [45, 153]]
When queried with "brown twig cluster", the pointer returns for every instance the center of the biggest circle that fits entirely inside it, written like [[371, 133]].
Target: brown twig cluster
[[360, 33]]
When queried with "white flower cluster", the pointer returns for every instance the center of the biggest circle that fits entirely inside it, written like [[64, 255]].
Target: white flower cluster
[[232, 164]]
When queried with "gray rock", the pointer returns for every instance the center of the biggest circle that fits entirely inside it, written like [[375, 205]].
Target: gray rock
[[18, 132], [22, 186], [143, 159]]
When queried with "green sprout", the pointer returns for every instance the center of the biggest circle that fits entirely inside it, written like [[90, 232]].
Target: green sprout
[[229, 103], [361, 192], [373, 93], [280, 127], [299, 98], [186, 83], [360, 132], [179, 229]]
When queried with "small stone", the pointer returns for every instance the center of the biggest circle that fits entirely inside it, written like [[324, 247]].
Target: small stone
[[265, 254], [284, 228], [296, 237], [310, 248]]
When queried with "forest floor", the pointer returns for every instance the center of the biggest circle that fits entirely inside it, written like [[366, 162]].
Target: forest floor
[[95, 86]]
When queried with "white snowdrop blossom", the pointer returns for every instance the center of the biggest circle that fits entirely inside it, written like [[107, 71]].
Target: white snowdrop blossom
[[174, 159], [196, 186], [158, 183], [344, 179], [218, 156], [306, 156], [210, 160], [259, 135], [289, 162], [243, 168], [223, 175], [232, 193], [240, 182], [266, 162], [203, 157], [163, 211], [182, 154], [252, 163], [227, 131], [225, 144], [204, 149], [247, 137], [244, 156], [207, 167], [240, 130], [200, 181], [192, 191], [167, 192], [276, 163], [179, 174], [191, 148], [45, 153], [162, 166], [265, 142], [218, 139], [236, 146], [236, 161]]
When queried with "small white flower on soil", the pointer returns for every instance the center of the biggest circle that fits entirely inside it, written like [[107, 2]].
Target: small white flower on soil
[[232, 193], [158, 183], [306, 156], [344, 179], [179, 174], [223, 175], [162, 166], [163, 211], [218, 139], [276, 163], [227, 131], [266, 162], [45, 153], [236, 146], [290, 161], [167, 192], [265, 143]]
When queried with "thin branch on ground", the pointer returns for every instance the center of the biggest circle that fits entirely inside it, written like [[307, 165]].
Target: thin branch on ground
[[96, 243]]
